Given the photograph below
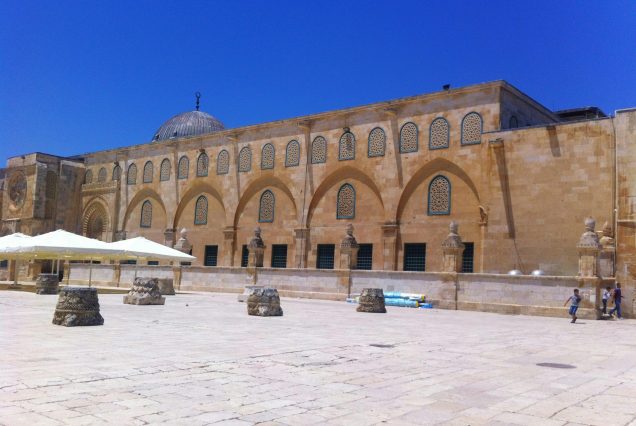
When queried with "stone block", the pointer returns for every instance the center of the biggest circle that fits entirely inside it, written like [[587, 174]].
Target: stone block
[[47, 284], [264, 302], [372, 300], [77, 306], [242, 297], [166, 286], [145, 291]]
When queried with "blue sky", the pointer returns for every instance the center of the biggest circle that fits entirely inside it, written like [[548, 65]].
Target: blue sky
[[79, 76]]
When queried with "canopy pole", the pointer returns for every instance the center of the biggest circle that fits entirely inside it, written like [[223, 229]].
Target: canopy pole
[[136, 262], [90, 273]]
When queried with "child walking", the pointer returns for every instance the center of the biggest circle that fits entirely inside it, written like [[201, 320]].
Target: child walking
[[574, 303]]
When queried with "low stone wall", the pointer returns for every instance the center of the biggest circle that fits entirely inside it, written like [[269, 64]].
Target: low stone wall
[[101, 275], [520, 294]]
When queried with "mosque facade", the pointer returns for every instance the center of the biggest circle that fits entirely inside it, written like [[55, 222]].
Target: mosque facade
[[517, 178]]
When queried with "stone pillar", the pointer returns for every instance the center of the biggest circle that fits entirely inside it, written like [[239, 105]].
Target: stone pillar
[[169, 235], [13, 275], [229, 243], [452, 249], [349, 250], [608, 252], [302, 247], [182, 244], [117, 273], [589, 248], [256, 249], [389, 245], [176, 270]]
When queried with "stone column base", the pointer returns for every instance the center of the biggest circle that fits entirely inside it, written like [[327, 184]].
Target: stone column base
[[77, 306]]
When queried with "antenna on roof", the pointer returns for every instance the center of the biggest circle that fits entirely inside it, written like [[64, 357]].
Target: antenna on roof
[[198, 95]]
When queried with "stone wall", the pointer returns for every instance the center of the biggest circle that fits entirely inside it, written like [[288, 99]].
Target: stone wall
[[528, 295]]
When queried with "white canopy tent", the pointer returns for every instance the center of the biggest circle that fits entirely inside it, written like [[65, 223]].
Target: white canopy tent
[[142, 248], [59, 245], [12, 240]]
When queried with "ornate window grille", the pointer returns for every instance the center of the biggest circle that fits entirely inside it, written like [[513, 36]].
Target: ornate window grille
[[245, 159], [319, 150], [346, 202], [201, 211], [164, 170], [347, 147], [266, 207], [439, 134], [377, 142], [409, 138], [268, 155], [439, 196], [202, 164], [223, 163], [472, 127], [116, 173], [146, 214], [131, 176], [292, 154], [183, 168], [88, 177], [148, 172]]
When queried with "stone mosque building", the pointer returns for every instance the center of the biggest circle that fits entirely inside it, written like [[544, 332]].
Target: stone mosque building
[[517, 178]]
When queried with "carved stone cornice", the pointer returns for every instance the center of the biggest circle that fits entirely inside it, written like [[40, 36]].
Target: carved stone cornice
[[100, 187]]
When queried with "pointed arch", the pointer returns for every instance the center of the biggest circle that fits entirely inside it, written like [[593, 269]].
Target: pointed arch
[[146, 215], [256, 186], [439, 196], [165, 170], [140, 196], [201, 211], [148, 172], [117, 172], [95, 219], [266, 207], [292, 154], [131, 176], [102, 175], [434, 167], [183, 168], [346, 202], [198, 189], [268, 156], [347, 173], [472, 128], [223, 162]]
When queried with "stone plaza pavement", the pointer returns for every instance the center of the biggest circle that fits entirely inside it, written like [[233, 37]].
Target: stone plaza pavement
[[199, 359]]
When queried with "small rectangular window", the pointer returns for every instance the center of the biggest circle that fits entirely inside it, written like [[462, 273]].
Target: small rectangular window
[[211, 254], [126, 262], [279, 256], [415, 257], [3, 264], [365, 257], [153, 262], [245, 255], [325, 256], [468, 258]]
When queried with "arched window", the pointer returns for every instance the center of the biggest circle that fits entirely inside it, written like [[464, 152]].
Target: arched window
[[319, 150], [439, 134], [183, 168], [377, 142], [223, 163], [513, 123], [202, 164], [408, 138], [116, 172], [267, 156], [346, 202], [88, 177], [347, 147], [292, 154], [148, 172], [245, 159], [146, 214], [102, 175], [471, 128], [131, 176], [439, 196], [201, 211], [164, 170], [266, 207]]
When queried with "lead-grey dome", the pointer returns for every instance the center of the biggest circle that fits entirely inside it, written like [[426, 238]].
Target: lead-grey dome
[[191, 123]]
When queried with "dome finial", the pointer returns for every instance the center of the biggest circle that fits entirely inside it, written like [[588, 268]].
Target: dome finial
[[198, 95]]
